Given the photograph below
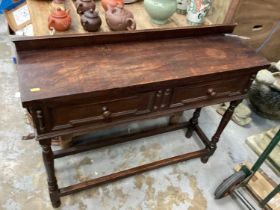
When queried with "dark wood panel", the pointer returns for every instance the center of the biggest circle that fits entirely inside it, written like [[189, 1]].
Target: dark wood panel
[[209, 91], [101, 125], [113, 67], [69, 115], [78, 40]]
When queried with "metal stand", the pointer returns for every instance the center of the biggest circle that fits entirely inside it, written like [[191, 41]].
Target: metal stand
[[242, 177]]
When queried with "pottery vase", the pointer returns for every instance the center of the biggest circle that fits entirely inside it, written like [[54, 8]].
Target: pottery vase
[[160, 10], [197, 10]]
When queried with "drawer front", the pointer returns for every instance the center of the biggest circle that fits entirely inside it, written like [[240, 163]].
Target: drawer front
[[68, 116], [211, 90], [94, 111]]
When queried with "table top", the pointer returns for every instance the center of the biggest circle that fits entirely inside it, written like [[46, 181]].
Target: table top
[[55, 73]]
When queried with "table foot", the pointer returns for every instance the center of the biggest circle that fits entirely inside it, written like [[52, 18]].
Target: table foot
[[224, 121], [193, 122], [48, 159], [204, 159], [55, 201]]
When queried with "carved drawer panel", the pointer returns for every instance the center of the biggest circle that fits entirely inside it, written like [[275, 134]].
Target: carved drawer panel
[[67, 116], [210, 90]]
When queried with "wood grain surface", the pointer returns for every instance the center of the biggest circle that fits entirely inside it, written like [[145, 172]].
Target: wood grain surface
[[256, 18], [25, 43], [218, 11], [68, 71]]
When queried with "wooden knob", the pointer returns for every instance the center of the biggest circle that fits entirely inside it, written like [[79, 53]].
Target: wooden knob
[[159, 93], [167, 92], [106, 112], [211, 92]]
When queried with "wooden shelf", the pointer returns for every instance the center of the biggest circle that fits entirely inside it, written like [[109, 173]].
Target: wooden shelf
[[218, 21], [40, 10]]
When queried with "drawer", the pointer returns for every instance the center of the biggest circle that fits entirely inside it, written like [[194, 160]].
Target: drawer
[[72, 115], [210, 90]]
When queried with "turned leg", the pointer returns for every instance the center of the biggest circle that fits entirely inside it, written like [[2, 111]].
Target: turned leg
[[175, 118], [193, 122], [49, 165], [224, 121]]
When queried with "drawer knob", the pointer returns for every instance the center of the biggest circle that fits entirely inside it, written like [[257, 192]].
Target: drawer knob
[[159, 93], [211, 92], [167, 92], [106, 112]]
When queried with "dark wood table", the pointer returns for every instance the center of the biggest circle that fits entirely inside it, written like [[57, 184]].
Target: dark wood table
[[78, 84]]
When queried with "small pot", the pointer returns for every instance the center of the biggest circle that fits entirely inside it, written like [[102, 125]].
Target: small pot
[[120, 19], [111, 3], [84, 5], [91, 21], [60, 20]]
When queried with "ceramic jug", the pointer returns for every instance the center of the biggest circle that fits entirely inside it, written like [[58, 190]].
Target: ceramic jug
[[197, 10], [91, 21], [59, 19], [84, 5], [120, 19], [111, 3], [160, 10]]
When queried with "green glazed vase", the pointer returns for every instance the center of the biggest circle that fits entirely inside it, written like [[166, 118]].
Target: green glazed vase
[[160, 10]]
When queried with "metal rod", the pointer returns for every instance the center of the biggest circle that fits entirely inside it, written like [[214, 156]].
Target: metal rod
[[269, 36], [266, 152], [243, 200]]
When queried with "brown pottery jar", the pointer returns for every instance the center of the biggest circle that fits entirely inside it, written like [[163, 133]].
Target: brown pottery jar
[[120, 19], [91, 21], [60, 20], [111, 3], [84, 5]]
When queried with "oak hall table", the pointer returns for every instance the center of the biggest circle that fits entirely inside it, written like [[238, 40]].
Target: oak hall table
[[81, 83]]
